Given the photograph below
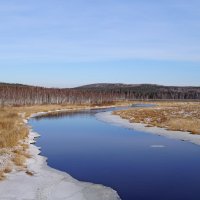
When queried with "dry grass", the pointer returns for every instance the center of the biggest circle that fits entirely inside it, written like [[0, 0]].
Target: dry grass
[[19, 160], [183, 116], [12, 128], [8, 169], [2, 176]]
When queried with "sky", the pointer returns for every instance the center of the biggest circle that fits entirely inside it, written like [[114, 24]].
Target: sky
[[66, 43]]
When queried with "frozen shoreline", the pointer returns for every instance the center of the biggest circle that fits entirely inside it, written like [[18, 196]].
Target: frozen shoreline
[[117, 120], [49, 183]]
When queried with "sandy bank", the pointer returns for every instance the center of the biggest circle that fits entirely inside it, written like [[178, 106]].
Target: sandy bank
[[48, 183], [117, 120]]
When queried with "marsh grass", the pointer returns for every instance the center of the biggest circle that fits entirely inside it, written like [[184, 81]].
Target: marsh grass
[[189, 125], [177, 116], [11, 128]]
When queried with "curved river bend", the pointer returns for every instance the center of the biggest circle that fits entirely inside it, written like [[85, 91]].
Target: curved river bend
[[138, 165]]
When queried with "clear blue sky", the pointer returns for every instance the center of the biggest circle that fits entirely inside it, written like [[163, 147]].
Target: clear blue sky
[[73, 42]]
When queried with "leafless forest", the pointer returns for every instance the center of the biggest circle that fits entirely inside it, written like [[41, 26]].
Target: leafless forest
[[16, 94]]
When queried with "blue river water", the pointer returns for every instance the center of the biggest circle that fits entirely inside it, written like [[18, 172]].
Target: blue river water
[[120, 158]]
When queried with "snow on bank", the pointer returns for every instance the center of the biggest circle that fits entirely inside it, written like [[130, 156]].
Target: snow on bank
[[117, 120], [48, 183]]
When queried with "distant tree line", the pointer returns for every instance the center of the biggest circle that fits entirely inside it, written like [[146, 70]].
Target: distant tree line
[[15, 94]]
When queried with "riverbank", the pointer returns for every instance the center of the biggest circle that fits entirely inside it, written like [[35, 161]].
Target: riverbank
[[109, 117], [175, 116], [31, 178]]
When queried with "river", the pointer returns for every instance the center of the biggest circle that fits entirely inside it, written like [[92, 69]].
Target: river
[[138, 165]]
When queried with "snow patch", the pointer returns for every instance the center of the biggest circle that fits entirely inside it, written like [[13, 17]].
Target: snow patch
[[157, 146]]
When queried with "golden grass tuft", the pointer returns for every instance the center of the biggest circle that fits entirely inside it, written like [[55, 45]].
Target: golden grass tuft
[[8, 169], [19, 160], [190, 125], [2, 176]]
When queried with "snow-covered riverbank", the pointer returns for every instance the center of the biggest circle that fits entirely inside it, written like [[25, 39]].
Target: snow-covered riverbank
[[117, 120]]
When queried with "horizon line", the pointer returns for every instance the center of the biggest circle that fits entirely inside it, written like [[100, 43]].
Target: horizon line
[[100, 83]]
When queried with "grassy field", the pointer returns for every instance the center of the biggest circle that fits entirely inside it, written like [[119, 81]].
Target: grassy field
[[13, 133], [177, 116]]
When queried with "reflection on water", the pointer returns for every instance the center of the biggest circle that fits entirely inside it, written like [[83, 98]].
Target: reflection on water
[[60, 114], [123, 159], [143, 105]]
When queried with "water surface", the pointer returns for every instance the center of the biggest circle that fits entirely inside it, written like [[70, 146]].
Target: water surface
[[131, 162]]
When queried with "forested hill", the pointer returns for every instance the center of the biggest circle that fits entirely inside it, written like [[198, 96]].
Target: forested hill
[[145, 91], [17, 94]]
